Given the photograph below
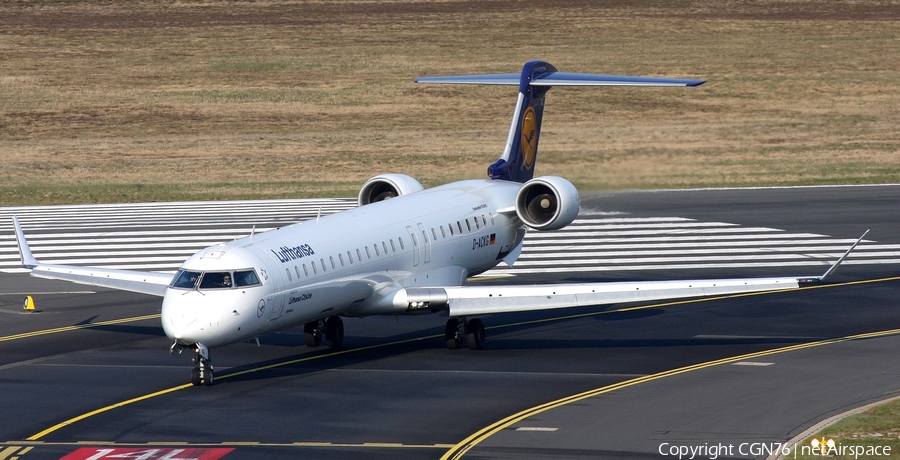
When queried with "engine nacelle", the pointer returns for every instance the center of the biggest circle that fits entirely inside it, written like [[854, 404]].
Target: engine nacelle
[[386, 186], [547, 203]]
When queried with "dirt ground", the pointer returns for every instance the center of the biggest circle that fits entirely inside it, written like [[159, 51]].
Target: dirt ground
[[109, 101]]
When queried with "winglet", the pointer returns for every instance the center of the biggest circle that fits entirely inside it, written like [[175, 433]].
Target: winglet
[[817, 279], [28, 260]]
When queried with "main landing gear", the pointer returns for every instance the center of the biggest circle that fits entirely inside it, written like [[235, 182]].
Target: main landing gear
[[331, 328], [202, 373], [459, 328]]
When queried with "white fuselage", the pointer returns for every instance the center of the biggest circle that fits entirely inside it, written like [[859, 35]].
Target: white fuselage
[[351, 263]]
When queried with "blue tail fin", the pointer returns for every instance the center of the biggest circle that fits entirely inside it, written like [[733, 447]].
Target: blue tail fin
[[537, 77]]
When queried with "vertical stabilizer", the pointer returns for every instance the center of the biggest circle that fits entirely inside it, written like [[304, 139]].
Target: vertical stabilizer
[[520, 154], [537, 77]]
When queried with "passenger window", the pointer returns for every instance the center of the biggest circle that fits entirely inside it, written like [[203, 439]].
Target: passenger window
[[297, 269], [451, 229], [433, 233], [305, 271], [393, 246], [459, 225], [350, 256], [288, 271], [340, 259], [244, 278], [358, 255], [377, 253], [443, 233], [477, 225], [385, 246], [324, 269], [468, 225], [313, 265], [368, 253], [402, 246]]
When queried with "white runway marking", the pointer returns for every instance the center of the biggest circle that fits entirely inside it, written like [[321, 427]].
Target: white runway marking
[[159, 236]]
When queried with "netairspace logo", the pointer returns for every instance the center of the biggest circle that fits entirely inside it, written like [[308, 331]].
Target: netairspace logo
[[828, 448], [816, 448]]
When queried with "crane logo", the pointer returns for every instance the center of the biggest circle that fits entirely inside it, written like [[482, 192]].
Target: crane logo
[[528, 141]]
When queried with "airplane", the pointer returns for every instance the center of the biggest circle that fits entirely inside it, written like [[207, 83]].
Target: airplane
[[404, 250]]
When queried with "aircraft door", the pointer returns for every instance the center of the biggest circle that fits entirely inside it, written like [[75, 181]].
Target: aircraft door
[[415, 243], [275, 299], [426, 244]]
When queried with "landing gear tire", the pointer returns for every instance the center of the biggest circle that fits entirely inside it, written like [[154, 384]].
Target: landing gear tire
[[312, 334], [202, 374], [451, 334], [475, 334], [334, 332]]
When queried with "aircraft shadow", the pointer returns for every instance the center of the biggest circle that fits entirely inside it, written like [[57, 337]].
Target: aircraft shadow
[[516, 344]]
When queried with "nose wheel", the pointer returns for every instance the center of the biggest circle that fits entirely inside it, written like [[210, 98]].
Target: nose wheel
[[202, 374]]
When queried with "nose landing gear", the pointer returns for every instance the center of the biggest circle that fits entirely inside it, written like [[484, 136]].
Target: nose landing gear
[[202, 373]]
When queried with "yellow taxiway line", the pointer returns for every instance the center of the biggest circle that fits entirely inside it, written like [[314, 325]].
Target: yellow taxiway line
[[459, 450], [76, 327]]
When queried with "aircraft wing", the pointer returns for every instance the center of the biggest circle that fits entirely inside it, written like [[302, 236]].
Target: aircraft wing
[[480, 300], [126, 280]]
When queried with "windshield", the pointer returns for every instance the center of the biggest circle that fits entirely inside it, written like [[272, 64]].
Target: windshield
[[215, 280], [186, 279], [245, 278]]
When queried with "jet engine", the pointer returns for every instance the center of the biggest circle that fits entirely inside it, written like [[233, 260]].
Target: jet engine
[[385, 186], [547, 203]]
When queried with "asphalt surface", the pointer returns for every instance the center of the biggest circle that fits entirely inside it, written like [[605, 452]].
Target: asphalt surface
[[396, 392]]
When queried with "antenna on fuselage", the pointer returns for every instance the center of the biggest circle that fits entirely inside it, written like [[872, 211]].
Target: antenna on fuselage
[[252, 232], [319, 214]]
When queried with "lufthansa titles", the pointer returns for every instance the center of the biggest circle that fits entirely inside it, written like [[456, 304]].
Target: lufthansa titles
[[286, 254]]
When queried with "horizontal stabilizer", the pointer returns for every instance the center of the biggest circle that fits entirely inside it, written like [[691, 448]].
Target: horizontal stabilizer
[[560, 79], [519, 156]]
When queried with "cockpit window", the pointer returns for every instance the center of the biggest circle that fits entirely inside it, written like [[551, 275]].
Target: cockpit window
[[245, 278], [185, 279], [216, 280]]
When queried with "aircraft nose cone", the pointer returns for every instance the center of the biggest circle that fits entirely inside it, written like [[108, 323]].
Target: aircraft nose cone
[[178, 319], [180, 327]]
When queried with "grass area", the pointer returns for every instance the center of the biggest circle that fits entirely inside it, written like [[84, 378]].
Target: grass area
[[159, 100], [875, 427]]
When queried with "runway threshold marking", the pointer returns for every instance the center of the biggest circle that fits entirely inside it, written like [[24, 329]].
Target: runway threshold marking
[[28, 445], [76, 327], [458, 450]]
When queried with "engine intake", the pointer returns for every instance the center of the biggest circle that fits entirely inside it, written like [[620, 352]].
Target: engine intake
[[387, 186], [547, 203]]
